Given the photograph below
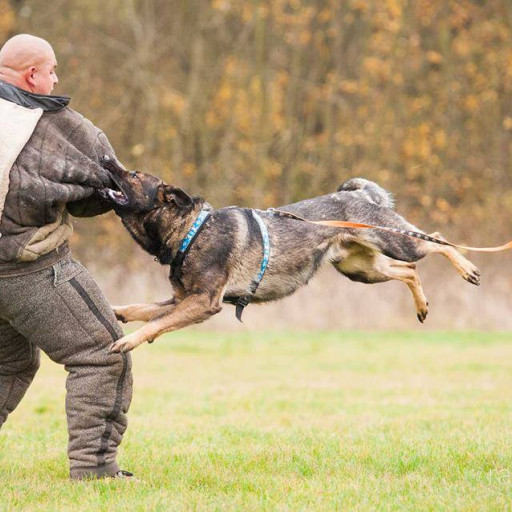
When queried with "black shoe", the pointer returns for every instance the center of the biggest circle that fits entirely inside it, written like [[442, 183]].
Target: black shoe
[[124, 474]]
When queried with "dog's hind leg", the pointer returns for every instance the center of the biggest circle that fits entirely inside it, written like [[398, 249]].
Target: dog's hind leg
[[405, 272], [143, 312], [367, 267], [464, 267]]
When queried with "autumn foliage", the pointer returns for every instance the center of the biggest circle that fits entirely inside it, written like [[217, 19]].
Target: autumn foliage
[[267, 102]]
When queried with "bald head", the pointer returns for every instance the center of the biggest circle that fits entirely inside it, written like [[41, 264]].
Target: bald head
[[28, 62]]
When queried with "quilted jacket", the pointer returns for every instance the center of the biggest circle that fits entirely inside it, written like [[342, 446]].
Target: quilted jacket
[[56, 173]]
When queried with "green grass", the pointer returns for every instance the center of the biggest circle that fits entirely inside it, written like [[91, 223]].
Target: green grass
[[287, 421]]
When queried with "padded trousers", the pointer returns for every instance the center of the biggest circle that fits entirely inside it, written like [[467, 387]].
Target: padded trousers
[[61, 311]]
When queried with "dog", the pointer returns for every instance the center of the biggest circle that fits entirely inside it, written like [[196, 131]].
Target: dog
[[230, 247]]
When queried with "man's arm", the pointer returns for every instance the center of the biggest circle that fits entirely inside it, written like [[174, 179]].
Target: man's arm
[[94, 204]]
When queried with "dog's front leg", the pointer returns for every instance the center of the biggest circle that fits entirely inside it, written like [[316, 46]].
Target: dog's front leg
[[143, 312], [193, 309]]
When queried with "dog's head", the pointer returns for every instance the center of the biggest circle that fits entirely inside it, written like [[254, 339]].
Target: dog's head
[[138, 192], [148, 207]]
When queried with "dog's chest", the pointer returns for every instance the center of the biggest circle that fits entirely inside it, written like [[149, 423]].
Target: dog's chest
[[284, 274]]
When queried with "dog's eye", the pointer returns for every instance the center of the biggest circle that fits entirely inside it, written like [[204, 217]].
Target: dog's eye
[[133, 174]]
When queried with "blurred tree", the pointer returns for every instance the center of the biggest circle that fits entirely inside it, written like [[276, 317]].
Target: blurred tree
[[261, 102]]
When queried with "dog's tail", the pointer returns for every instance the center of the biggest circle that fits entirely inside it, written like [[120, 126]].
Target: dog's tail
[[372, 192]]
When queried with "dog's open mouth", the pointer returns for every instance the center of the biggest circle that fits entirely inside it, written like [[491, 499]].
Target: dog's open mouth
[[117, 196]]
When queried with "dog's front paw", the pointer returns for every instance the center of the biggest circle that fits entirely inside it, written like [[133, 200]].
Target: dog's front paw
[[119, 312], [126, 343]]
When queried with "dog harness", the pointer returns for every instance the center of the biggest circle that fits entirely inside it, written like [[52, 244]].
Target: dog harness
[[244, 300], [186, 243]]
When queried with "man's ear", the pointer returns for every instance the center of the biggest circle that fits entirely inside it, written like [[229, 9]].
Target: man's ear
[[30, 75], [170, 194]]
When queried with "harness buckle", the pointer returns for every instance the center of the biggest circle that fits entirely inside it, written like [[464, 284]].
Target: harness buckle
[[240, 304]]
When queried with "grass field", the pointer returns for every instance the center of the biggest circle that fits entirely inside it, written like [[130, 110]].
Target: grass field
[[287, 421]]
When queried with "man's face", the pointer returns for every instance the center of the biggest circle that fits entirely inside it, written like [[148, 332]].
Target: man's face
[[43, 76]]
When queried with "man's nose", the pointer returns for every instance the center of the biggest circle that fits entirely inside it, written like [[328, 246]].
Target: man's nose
[[55, 78]]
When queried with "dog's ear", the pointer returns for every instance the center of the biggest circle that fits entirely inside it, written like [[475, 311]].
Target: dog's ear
[[170, 194]]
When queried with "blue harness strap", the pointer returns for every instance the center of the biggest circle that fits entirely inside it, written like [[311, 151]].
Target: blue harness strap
[[244, 300], [266, 251], [186, 243], [194, 230]]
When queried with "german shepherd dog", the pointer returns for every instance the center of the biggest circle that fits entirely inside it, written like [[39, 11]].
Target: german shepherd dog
[[227, 252]]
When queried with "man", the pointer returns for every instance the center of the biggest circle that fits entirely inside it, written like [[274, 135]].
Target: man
[[49, 168]]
